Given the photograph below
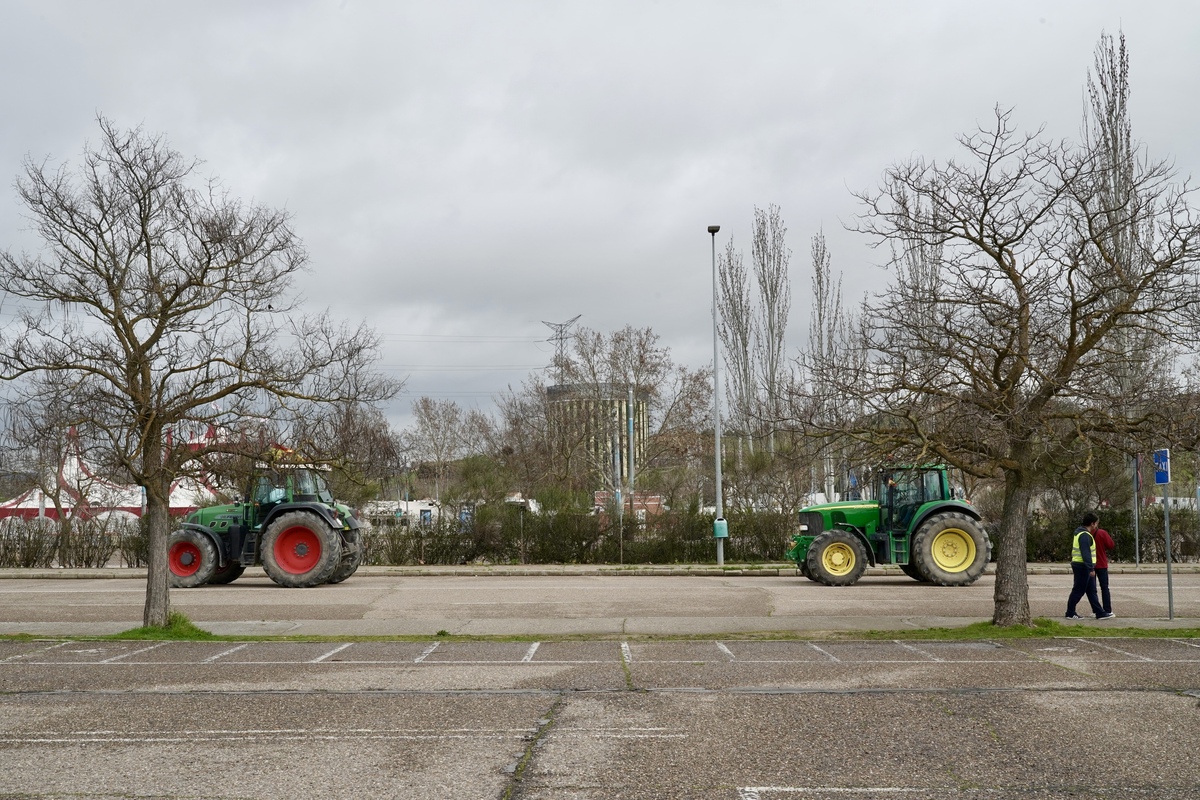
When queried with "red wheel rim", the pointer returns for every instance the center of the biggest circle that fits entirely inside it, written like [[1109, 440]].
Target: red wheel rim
[[297, 550], [185, 559]]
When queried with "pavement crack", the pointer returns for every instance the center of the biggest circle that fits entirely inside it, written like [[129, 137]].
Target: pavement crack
[[513, 790], [626, 657]]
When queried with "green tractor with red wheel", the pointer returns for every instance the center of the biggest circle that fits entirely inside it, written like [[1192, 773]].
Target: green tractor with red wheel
[[915, 521], [289, 523]]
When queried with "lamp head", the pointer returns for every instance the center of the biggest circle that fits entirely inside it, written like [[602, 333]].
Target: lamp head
[[714, 228]]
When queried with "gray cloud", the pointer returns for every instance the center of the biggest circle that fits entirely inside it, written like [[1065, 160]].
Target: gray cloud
[[462, 171]]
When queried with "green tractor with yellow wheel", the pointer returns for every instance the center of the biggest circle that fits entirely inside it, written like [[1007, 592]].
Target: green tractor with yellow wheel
[[915, 522]]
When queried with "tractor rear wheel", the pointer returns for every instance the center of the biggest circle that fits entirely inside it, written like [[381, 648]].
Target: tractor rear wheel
[[803, 566], [951, 549], [910, 569], [300, 550], [191, 559], [227, 574], [836, 558], [351, 559]]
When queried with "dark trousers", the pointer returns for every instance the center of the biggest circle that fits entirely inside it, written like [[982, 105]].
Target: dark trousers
[[1105, 597], [1084, 584]]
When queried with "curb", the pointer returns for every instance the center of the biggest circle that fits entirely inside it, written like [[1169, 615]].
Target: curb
[[558, 570]]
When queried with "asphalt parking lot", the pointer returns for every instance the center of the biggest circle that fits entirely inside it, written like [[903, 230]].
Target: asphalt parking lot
[[595, 686], [601, 719]]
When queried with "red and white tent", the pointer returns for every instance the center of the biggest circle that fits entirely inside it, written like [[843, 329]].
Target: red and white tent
[[83, 493]]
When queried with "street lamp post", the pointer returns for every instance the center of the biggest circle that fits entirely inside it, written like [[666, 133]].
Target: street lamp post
[[720, 527]]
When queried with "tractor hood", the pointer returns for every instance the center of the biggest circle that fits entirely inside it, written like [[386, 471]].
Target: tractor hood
[[845, 505], [209, 513]]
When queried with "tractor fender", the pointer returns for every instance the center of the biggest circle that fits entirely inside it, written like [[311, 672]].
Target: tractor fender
[[960, 507], [862, 539], [218, 541], [322, 511]]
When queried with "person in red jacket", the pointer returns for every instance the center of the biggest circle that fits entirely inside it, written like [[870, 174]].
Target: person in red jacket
[[1104, 545]]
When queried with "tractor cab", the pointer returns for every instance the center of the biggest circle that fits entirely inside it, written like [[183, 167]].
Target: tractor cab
[[273, 485], [902, 492]]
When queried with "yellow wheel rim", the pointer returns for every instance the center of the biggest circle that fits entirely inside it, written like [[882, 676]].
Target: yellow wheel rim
[[838, 559], [953, 550]]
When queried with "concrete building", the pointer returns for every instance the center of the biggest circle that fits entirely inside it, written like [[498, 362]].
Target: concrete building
[[600, 416]]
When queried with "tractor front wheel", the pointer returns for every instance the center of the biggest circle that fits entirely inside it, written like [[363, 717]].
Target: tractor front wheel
[[191, 559], [836, 558], [351, 559], [300, 550], [227, 574], [951, 549]]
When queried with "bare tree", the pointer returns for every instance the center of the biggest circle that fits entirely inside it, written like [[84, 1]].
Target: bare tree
[[42, 436], [828, 350], [992, 345], [771, 256], [166, 306], [437, 437], [357, 442], [736, 329]]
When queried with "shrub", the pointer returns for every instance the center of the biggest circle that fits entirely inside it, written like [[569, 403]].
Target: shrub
[[27, 543]]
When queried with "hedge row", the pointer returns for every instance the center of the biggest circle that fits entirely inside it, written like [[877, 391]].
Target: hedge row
[[506, 536]]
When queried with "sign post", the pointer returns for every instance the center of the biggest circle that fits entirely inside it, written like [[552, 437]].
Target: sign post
[[1162, 477]]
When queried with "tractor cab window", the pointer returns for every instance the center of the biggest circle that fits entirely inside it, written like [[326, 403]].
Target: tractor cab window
[[310, 485], [305, 486], [269, 489], [323, 493], [901, 496], [933, 485]]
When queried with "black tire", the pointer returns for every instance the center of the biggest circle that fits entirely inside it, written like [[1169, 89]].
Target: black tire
[[227, 574], [352, 557], [836, 558], [951, 549], [300, 550], [803, 565], [910, 569], [191, 559]]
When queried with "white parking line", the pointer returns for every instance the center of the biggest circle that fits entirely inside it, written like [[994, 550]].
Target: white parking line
[[33, 652], [757, 792], [332, 652], [626, 654], [287, 734], [224, 653], [825, 653], [1186, 643], [428, 651], [533, 648], [133, 653], [728, 653], [918, 651], [1117, 650]]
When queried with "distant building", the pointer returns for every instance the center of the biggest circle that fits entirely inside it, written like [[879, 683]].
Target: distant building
[[599, 415], [641, 505]]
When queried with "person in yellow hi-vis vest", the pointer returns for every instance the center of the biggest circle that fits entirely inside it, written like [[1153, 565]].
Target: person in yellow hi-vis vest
[[1083, 568]]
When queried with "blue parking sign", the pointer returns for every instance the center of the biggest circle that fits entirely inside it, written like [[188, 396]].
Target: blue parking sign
[[1162, 467]]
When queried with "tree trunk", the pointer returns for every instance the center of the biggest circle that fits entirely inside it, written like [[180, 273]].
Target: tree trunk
[[1012, 579], [158, 600]]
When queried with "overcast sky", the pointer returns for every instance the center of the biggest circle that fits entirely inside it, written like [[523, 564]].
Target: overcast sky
[[461, 172]]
